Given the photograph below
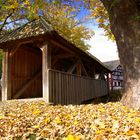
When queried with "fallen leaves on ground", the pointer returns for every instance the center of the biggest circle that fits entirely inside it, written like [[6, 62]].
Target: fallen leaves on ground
[[40, 121]]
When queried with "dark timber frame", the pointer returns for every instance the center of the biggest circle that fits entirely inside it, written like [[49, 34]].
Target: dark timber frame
[[49, 66]]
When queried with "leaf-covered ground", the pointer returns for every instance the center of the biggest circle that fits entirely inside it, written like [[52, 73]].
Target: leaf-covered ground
[[39, 121]]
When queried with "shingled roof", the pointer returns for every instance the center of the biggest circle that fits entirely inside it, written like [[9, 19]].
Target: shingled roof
[[112, 64], [33, 28]]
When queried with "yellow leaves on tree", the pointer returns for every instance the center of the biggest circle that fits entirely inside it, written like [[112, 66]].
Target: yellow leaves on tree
[[62, 17], [99, 13], [67, 25]]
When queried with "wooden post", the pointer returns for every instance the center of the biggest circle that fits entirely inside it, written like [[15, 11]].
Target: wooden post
[[93, 70], [83, 68], [46, 65], [6, 76], [108, 83], [101, 76], [111, 80], [79, 69]]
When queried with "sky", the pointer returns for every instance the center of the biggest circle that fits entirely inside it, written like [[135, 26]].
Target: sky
[[102, 48]]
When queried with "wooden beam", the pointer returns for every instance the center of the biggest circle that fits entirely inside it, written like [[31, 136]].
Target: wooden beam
[[73, 66], [108, 84], [54, 62], [56, 58], [27, 84], [6, 76], [101, 76], [46, 58], [62, 47], [93, 70], [79, 69], [12, 52], [111, 80], [62, 56], [83, 67]]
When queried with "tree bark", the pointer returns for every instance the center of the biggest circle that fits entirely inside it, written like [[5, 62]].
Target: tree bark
[[124, 16]]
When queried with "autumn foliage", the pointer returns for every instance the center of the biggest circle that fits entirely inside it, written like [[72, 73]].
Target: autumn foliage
[[22, 120], [62, 17]]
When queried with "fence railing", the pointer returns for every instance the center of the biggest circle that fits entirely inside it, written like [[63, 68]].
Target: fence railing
[[67, 88]]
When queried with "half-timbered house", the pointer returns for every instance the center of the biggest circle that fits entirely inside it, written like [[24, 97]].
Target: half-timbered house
[[116, 75]]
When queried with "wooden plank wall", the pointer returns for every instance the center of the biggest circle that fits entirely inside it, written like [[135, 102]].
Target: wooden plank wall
[[72, 89], [25, 63]]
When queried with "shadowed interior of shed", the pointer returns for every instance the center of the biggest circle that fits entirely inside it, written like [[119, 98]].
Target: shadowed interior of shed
[[26, 72]]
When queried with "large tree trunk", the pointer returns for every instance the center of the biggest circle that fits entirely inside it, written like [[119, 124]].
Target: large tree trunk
[[124, 18]]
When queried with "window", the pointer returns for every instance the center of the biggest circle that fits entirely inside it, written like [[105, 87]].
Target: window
[[115, 83], [119, 83]]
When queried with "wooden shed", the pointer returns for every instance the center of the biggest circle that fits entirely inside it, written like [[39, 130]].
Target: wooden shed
[[38, 62]]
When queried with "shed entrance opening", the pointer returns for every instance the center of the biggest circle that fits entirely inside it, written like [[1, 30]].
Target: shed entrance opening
[[26, 80]]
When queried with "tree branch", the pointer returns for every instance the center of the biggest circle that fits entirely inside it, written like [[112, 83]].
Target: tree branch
[[5, 21]]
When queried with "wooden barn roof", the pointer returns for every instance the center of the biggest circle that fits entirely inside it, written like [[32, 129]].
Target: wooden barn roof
[[30, 29], [40, 27]]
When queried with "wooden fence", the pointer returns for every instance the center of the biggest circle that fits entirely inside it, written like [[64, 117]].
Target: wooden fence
[[67, 88]]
